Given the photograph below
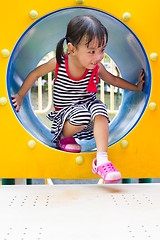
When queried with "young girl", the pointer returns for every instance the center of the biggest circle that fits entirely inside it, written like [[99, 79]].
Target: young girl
[[78, 113]]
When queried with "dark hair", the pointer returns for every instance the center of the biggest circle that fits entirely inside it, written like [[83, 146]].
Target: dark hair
[[79, 26]]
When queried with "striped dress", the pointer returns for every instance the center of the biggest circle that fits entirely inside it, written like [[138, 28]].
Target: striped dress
[[75, 100]]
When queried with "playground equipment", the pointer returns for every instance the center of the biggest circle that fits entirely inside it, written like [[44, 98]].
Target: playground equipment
[[38, 38], [134, 134]]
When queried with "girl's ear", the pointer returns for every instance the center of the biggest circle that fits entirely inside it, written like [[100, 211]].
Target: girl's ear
[[71, 48]]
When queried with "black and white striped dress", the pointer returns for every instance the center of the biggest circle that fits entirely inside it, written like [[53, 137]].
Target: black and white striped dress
[[75, 100]]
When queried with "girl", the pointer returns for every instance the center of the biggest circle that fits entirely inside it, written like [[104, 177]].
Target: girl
[[78, 113]]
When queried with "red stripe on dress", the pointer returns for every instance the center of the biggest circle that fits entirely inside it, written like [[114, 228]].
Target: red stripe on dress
[[56, 72], [91, 85], [57, 109]]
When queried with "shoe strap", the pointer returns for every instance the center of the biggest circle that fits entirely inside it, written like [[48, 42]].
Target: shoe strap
[[107, 167]]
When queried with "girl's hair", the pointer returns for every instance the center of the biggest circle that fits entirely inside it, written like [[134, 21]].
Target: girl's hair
[[78, 27]]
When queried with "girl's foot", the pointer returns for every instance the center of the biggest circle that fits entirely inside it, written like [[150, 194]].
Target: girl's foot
[[106, 171], [68, 145]]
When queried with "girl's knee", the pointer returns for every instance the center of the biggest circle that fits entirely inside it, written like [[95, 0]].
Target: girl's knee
[[101, 117]]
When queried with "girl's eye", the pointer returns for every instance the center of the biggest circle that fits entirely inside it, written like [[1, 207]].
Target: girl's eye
[[91, 52]]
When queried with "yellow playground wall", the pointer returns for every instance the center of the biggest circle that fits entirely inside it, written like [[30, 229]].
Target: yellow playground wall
[[142, 156]]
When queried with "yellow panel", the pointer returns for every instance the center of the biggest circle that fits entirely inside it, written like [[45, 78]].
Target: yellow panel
[[140, 159]]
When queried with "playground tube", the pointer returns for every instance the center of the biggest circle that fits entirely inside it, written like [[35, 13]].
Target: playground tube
[[123, 47]]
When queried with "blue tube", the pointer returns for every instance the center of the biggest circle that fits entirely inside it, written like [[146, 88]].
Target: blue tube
[[123, 47]]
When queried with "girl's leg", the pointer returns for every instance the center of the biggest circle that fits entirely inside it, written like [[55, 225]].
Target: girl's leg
[[69, 130], [101, 133], [78, 120], [66, 142], [101, 165]]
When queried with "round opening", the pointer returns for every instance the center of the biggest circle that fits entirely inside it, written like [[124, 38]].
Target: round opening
[[123, 47]]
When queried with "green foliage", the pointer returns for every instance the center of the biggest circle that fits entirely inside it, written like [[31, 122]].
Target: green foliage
[[106, 59], [45, 77]]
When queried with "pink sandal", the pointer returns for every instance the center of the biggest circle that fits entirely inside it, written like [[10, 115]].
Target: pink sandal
[[68, 145], [107, 172]]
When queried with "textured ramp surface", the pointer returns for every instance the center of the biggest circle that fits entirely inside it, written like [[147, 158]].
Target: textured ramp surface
[[80, 212]]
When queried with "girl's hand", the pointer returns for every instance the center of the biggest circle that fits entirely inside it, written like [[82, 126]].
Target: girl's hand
[[141, 81], [17, 101]]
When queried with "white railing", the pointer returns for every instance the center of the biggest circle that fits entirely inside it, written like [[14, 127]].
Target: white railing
[[49, 105]]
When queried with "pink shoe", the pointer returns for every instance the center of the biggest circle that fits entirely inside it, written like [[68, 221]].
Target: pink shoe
[[68, 145], [107, 172]]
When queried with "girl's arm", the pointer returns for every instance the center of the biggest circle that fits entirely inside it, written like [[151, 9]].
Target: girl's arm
[[119, 82], [30, 80]]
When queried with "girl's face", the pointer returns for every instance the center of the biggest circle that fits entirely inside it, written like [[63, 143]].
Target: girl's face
[[89, 56]]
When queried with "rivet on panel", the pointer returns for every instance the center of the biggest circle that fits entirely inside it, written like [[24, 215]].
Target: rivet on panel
[[5, 53], [31, 144], [3, 101], [33, 14], [79, 160], [152, 106], [124, 143], [126, 16], [79, 1], [153, 56]]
